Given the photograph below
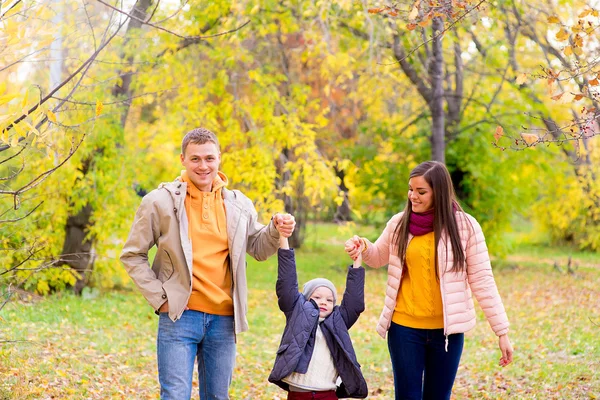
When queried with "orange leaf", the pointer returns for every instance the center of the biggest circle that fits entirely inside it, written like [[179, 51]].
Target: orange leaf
[[558, 96], [393, 13], [499, 132], [585, 13], [424, 23], [411, 26], [521, 79], [553, 20], [562, 35], [568, 51], [594, 82], [414, 13], [530, 138], [99, 107], [375, 10]]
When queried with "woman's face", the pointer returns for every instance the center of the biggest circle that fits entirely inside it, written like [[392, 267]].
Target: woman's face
[[420, 194]]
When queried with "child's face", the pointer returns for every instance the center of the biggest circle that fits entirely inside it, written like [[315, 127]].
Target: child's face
[[324, 298]]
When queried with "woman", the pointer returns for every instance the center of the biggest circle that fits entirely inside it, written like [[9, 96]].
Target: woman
[[436, 254]]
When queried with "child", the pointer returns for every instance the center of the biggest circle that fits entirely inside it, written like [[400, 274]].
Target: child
[[316, 351]]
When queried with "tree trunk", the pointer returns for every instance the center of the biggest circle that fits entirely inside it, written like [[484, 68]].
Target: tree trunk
[[78, 245], [77, 248], [436, 105], [342, 213], [296, 204], [297, 207]]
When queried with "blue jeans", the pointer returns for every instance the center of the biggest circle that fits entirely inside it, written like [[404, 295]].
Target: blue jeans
[[209, 338], [422, 367]]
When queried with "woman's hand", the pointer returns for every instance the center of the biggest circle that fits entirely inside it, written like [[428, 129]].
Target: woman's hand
[[354, 247], [506, 349]]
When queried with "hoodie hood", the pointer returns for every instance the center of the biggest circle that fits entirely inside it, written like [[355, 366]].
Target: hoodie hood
[[218, 183]]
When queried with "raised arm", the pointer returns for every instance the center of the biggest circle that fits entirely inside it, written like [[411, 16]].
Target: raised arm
[[287, 278], [353, 302], [376, 254]]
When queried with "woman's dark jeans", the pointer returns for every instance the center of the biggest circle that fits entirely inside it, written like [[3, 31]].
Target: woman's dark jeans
[[422, 367]]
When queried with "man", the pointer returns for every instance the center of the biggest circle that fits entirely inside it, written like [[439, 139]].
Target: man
[[197, 283]]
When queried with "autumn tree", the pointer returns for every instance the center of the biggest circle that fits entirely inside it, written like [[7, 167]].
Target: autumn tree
[[40, 135]]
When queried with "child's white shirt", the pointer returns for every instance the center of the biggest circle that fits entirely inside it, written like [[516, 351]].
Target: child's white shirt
[[321, 374]]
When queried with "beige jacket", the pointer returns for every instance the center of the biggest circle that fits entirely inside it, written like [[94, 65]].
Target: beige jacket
[[161, 220], [459, 312]]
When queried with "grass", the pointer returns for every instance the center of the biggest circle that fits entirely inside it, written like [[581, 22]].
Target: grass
[[102, 345]]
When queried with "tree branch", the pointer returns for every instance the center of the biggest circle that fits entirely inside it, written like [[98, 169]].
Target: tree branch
[[195, 38]]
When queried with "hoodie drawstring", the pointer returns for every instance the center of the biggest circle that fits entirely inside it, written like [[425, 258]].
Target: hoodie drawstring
[[446, 343]]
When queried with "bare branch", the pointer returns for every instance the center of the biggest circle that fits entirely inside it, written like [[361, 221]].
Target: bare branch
[[440, 33], [17, 2], [40, 178], [13, 156], [20, 218], [193, 38], [14, 174], [181, 6], [63, 83]]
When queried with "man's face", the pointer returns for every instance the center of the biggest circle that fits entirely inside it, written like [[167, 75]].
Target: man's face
[[201, 162], [323, 296]]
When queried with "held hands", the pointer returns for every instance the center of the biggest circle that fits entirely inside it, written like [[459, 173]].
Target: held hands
[[354, 247], [506, 349], [285, 224]]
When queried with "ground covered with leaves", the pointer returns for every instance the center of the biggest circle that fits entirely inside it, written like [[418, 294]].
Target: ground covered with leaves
[[102, 345]]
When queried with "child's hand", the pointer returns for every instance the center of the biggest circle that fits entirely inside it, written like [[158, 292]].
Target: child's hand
[[354, 247], [358, 261]]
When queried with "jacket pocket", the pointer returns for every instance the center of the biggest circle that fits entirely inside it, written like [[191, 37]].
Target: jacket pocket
[[166, 268], [283, 348]]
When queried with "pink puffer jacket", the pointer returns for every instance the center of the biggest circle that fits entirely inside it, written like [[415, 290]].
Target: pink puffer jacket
[[459, 313]]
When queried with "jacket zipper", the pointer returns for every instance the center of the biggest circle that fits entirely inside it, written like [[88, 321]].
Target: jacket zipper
[[443, 294], [179, 219]]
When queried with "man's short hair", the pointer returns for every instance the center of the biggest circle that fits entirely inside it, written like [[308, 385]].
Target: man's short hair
[[199, 136]]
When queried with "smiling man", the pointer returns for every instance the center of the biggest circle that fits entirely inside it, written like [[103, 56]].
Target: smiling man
[[197, 283]]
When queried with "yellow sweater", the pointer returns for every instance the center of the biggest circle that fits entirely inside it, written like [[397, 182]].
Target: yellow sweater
[[419, 301], [212, 281]]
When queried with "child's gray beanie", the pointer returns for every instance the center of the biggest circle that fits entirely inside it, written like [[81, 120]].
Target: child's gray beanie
[[310, 286]]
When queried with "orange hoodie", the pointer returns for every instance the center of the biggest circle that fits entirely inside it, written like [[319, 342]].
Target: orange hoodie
[[211, 285]]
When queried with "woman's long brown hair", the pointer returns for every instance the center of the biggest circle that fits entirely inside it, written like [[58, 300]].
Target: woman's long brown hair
[[444, 204]]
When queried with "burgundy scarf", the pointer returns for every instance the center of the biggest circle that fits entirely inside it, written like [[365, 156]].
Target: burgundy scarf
[[421, 223]]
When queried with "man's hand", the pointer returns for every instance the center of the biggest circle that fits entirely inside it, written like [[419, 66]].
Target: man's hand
[[285, 224], [164, 307]]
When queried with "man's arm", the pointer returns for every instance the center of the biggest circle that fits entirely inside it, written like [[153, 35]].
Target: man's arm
[[263, 240], [143, 236]]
